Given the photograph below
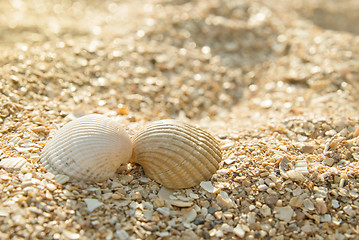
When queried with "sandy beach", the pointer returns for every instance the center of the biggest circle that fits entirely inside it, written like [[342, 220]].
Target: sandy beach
[[275, 82]]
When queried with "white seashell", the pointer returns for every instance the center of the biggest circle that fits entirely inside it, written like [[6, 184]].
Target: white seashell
[[176, 154], [88, 148]]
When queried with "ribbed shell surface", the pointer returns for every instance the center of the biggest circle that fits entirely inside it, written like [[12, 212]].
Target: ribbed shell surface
[[89, 148], [175, 154]]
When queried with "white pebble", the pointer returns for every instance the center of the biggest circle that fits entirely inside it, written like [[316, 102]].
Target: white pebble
[[265, 211], [238, 230], [122, 234], [51, 187], [179, 203], [308, 204], [335, 203], [229, 160], [147, 214], [165, 193], [262, 187], [295, 175], [226, 228], [251, 217], [336, 221], [222, 172], [349, 210], [193, 195], [224, 200], [302, 167], [13, 164], [284, 213], [165, 211], [227, 146], [302, 138], [4, 212], [61, 179], [328, 161], [207, 185], [92, 204], [325, 218], [163, 234], [70, 235], [307, 228], [190, 216]]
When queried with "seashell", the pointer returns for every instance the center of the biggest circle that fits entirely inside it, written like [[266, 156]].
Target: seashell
[[88, 148], [175, 154]]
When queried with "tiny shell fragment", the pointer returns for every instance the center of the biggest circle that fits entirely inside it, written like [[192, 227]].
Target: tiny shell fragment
[[302, 166], [349, 210], [12, 164], [328, 161], [179, 203], [224, 200], [165, 211], [295, 175], [4, 212], [307, 149], [92, 204], [165, 193], [61, 179], [296, 201], [284, 213], [356, 132], [321, 205], [207, 185], [238, 230], [190, 215], [71, 235], [284, 165], [308, 204]]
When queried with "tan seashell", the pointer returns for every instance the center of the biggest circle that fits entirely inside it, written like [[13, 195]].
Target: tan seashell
[[88, 148], [176, 154]]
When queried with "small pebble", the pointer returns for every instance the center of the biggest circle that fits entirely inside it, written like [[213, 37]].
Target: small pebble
[[224, 200], [284, 213], [238, 231], [335, 203], [211, 210], [349, 210], [295, 175], [308, 204], [165, 211], [328, 161], [71, 235], [190, 216], [199, 221], [307, 149], [179, 203], [13, 163], [61, 179], [207, 185], [92, 204]]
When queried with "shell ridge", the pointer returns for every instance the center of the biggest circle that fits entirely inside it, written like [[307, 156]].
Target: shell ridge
[[192, 148], [190, 160], [167, 155]]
